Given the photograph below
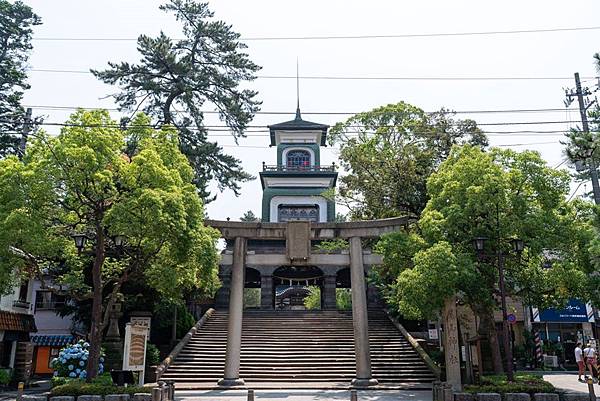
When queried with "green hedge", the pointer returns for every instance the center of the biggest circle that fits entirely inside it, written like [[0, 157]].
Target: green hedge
[[77, 388], [524, 383]]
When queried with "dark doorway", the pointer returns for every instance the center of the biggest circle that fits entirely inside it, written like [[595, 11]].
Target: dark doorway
[[343, 290], [298, 288], [251, 288]]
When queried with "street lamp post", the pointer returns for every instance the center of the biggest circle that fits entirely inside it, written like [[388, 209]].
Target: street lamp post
[[517, 246], [80, 240]]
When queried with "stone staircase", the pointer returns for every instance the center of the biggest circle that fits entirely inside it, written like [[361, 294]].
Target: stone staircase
[[298, 349]]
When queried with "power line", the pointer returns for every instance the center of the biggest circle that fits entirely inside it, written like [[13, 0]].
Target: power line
[[504, 123], [335, 148], [575, 191], [351, 37], [226, 132], [227, 128], [363, 78], [540, 110]]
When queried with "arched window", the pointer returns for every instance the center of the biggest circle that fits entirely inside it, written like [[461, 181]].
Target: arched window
[[298, 159]]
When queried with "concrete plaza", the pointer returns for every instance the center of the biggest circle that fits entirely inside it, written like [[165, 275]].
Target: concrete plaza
[[567, 381]]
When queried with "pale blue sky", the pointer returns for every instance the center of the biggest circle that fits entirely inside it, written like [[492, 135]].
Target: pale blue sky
[[556, 54]]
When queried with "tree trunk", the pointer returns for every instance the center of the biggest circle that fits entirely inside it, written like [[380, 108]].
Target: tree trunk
[[489, 327], [167, 117], [97, 321]]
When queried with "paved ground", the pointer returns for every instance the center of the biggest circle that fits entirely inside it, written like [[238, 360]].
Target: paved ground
[[303, 395], [568, 382], [38, 387]]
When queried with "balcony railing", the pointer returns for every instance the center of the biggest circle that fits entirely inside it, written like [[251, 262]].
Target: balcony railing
[[300, 169], [52, 305], [19, 303]]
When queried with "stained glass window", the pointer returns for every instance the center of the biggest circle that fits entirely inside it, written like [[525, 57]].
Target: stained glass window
[[298, 159]]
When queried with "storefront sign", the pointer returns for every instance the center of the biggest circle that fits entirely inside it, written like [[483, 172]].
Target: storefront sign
[[575, 311]]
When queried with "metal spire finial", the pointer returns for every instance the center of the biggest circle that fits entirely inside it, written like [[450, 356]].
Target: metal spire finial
[[298, 117]]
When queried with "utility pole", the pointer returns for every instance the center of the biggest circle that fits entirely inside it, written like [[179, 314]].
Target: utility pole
[[579, 93], [25, 133], [505, 330]]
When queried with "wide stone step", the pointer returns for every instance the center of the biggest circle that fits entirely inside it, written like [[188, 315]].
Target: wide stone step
[[298, 347]]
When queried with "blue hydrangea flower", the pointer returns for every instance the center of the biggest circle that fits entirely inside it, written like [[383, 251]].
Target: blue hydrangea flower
[[55, 373], [86, 345], [70, 367], [101, 359], [81, 363], [78, 371], [72, 374]]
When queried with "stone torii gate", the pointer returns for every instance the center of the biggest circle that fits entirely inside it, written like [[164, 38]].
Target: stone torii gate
[[297, 252]]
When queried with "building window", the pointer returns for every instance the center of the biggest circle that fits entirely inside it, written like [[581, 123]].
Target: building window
[[298, 212], [298, 159], [23, 291], [48, 300]]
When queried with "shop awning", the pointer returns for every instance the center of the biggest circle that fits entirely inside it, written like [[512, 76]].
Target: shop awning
[[52, 340], [10, 321]]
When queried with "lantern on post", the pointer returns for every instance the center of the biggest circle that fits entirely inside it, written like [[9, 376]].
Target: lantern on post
[[80, 240]]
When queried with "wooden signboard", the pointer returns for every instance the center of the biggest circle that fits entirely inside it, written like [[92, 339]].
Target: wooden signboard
[[134, 354]]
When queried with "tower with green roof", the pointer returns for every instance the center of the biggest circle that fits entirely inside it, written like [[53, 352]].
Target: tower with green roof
[[293, 189]]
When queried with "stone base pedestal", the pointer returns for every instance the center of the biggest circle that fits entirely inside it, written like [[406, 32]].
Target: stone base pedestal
[[231, 382], [364, 382], [114, 355]]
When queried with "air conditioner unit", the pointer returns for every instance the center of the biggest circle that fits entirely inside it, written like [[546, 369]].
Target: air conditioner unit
[[551, 361]]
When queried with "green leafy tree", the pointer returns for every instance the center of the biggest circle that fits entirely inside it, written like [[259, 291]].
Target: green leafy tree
[[177, 78], [500, 194], [16, 26], [389, 152], [586, 244], [249, 216], [313, 300], [343, 298], [82, 182]]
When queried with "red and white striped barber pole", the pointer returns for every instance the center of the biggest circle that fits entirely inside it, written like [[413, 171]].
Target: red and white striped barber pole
[[538, 348]]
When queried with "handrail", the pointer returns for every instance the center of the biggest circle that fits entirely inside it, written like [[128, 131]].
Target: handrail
[[164, 365], [415, 344], [300, 169]]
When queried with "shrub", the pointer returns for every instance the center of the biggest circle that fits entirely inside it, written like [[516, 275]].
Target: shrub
[[72, 360], [76, 388], [152, 354], [524, 383], [5, 377], [58, 381], [343, 298], [313, 300], [103, 379], [332, 246]]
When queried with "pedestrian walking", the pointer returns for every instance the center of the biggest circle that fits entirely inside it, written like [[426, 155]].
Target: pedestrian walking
[[579, 360], [589, 354]]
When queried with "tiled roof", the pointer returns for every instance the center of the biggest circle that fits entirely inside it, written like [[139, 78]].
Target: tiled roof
[[298, 124], [52, 340], [17, 322]]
